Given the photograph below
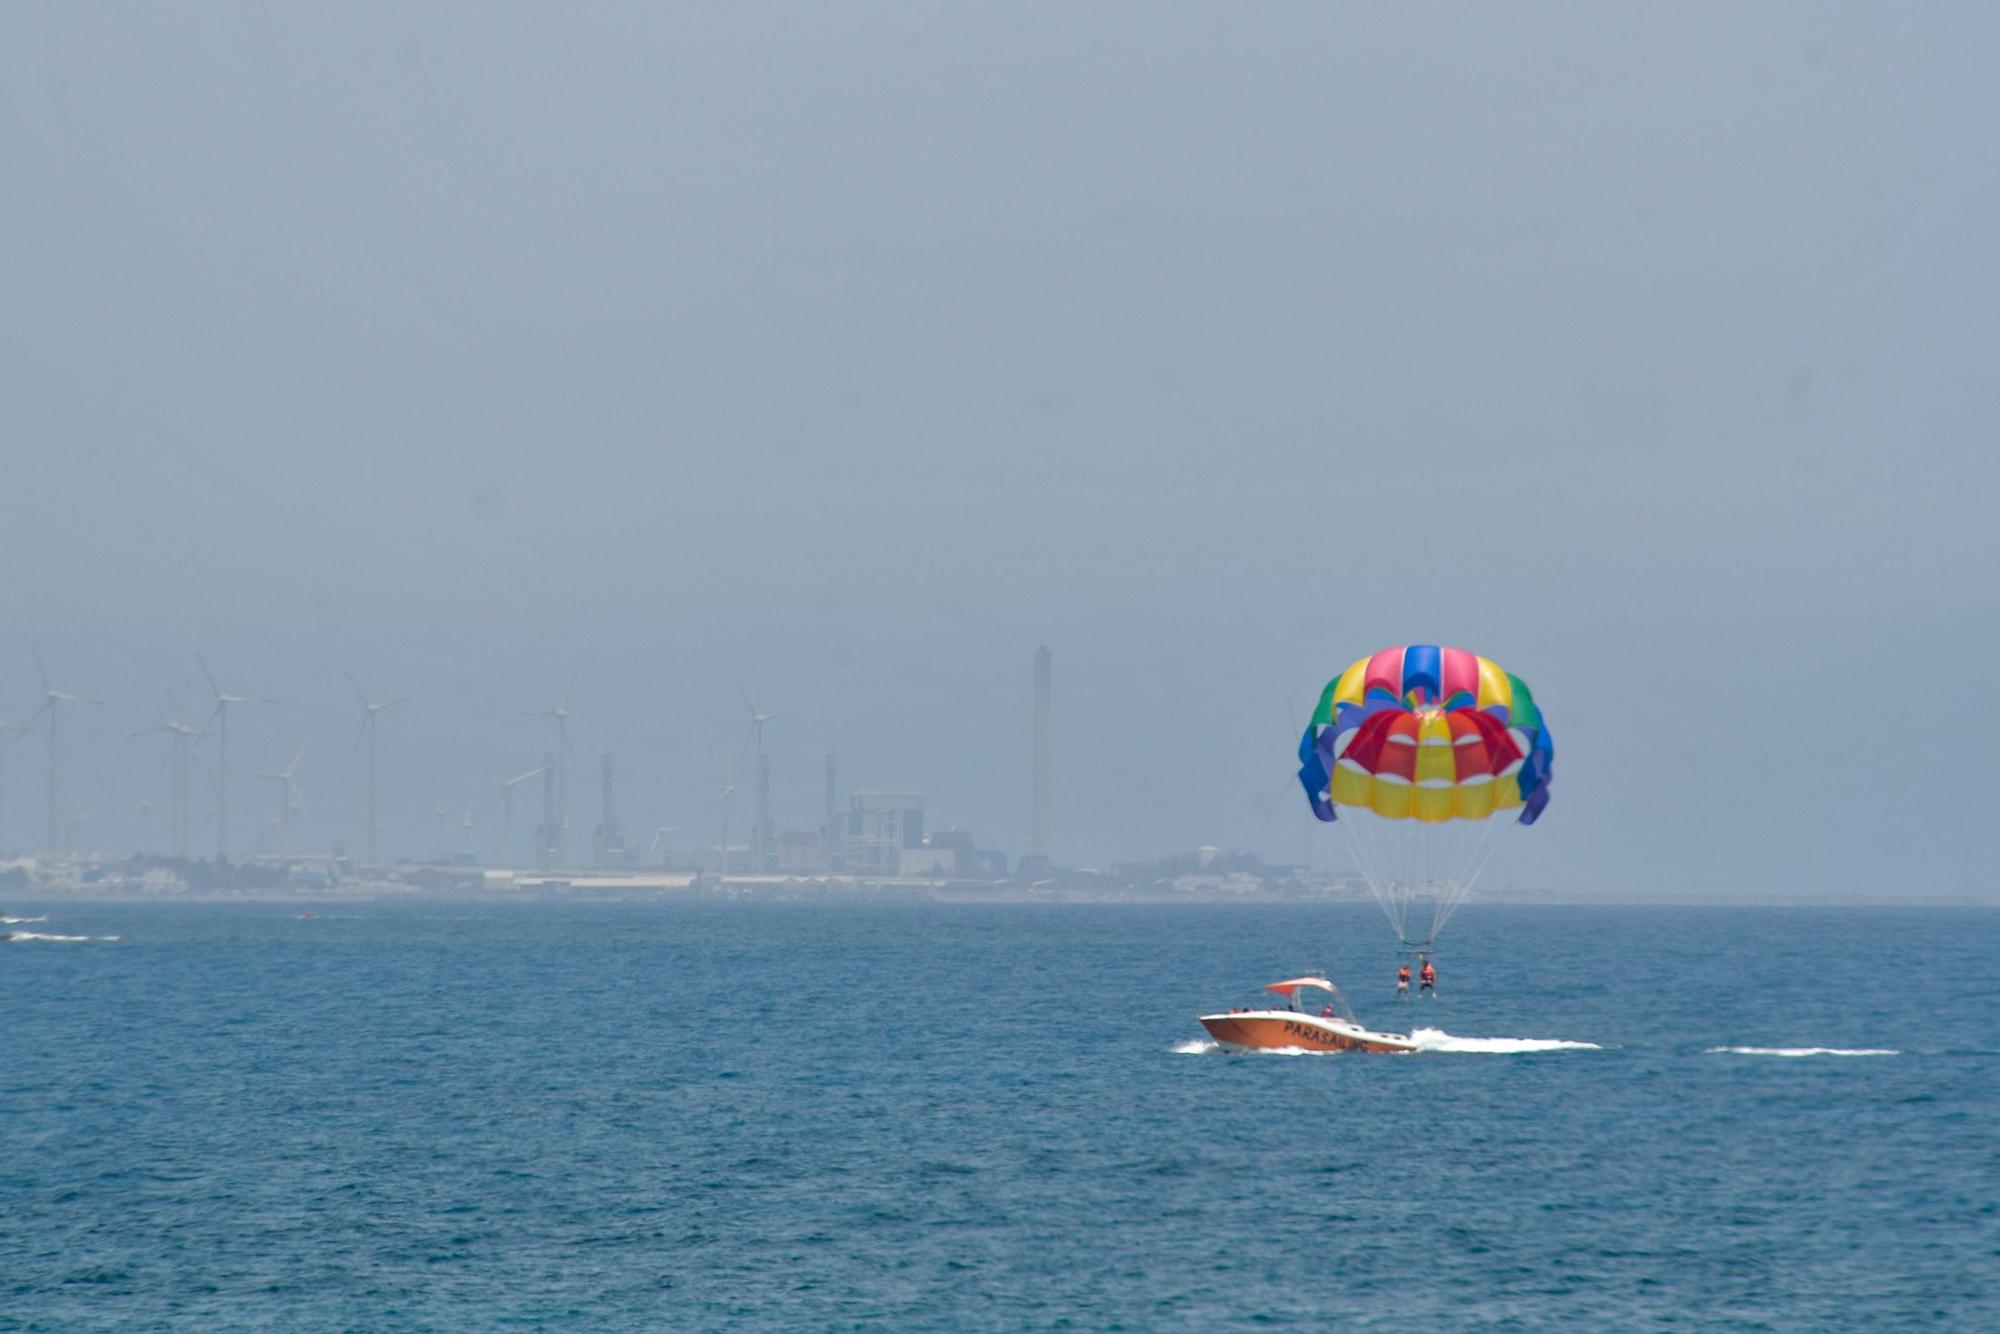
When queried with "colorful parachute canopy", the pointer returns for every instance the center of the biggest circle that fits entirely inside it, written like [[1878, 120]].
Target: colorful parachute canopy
[[1427, 733]]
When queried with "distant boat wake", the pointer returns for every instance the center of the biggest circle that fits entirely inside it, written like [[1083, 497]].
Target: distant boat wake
[[37, 935], [1802, 1051]]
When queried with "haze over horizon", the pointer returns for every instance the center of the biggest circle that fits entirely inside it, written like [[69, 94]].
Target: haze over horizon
[[853, 351]]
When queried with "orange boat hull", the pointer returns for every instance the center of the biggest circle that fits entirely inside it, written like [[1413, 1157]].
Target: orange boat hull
[[1267, 1029]]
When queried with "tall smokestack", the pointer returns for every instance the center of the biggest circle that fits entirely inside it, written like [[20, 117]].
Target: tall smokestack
[[609, 842], [1038, 837], [829, 833]]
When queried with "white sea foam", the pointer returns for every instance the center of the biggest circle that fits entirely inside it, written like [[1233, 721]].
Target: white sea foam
[[1195, 1046], [20, 921], [1436, 1039], [1802, 1051], [36, 935]]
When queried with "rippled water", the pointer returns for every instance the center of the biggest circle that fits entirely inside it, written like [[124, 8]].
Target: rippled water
[[613, 1116]]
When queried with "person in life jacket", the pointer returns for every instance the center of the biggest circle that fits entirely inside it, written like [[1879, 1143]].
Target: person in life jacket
[[1427, 978], [1403, 980]]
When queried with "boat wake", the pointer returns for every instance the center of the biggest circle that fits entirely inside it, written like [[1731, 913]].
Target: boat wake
[[1436, 1039], [1802, 1051], [1196, 1046], [20, 921], [37, 935]]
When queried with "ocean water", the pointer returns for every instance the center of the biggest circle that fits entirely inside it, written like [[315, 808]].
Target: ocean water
[[739, 1115]]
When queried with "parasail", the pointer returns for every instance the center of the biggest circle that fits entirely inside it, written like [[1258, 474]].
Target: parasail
[[1421, 752]]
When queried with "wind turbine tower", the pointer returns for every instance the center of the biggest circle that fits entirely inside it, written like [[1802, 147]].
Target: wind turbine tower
[[289, 800], [727, 796], [1038, 838], [546, 835], [507, 786], [221, 719], [180, 756], [557, 835], [52, 702], [369, 710], [761, 841]]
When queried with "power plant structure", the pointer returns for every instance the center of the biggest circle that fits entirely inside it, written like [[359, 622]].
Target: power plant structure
[[609, 840]]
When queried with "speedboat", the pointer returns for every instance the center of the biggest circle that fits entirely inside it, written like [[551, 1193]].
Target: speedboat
[[1334, 1028]]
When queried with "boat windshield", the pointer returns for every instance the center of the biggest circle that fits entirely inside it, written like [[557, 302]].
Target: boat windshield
[[1314, 995]]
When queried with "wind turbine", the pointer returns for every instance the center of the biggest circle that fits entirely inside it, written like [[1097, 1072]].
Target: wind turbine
[[563, 751], [221, 719], [369, 709], [726, 795], [760, 843], [289, 799], [181, 752], [52, 701], [465, 827], [507, 786]]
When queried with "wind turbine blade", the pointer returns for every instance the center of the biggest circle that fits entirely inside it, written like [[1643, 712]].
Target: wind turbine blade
[[292, 768], [1291, 781], [362, 734], [773, 717], [746, 699], [566, 689], [210, 675], [359, 692], [47, 704], [400, 699], [40, 670]]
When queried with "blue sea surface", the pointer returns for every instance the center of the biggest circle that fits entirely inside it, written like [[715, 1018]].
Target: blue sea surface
[[744, 1115]]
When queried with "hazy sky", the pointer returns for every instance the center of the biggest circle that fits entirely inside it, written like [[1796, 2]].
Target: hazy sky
[[854, 349]]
